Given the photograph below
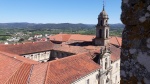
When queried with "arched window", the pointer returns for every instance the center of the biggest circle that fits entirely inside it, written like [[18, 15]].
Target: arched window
[[101, 23], [116, 79], [100, 33], [106, 33], [106, 63], [106, 22], [107, 80]]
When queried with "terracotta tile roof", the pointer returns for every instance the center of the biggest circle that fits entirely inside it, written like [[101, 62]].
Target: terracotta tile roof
[[15, 69], [65, 70], [8, 67], [21, 75], [60, 37], [115, 53], [69, 37], [92, 47], [27, 48], [38, 73], [116, 41], [18, 58], [71, 49], [79, 37], [69, 69]]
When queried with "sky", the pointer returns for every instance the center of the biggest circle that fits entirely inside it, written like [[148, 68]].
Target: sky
[[58, 11]]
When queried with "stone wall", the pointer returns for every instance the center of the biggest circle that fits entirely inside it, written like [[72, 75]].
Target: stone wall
[[135, 55]]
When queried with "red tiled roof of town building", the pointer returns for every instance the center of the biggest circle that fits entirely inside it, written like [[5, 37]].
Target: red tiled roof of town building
[[13, 70], [115, 53], [77, 37], [39, 72], [71, 49], [65, 70], [7, 67], [116, 41], [60, 37], [69, 37], [21, 75], [27, 48]]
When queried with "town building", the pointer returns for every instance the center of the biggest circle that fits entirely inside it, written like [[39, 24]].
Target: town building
[[64, 59]]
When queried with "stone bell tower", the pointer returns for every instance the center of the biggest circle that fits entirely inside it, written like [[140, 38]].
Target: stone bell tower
[[102, 29]]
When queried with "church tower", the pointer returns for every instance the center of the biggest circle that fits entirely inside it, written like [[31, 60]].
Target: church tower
[[102, 29]]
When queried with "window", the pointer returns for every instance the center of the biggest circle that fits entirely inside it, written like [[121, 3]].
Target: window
[[35, 57], [87, 81], [101, 23], [107, 80], [105, 63], [100, 33], [97, 76], [107, 34], [116, 65]]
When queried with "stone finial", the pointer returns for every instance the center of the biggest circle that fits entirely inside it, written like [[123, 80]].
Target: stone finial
[[103, 6]]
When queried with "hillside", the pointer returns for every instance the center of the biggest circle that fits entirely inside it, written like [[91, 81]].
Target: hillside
[[53, 26]]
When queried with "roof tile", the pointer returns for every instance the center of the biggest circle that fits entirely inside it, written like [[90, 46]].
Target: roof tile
[[27, 48], [69, 69], [21, 76]]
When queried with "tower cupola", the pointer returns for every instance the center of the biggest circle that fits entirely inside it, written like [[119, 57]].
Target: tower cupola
[[102, 29], [103, 14]]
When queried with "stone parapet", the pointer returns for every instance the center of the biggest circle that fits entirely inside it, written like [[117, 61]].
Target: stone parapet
[[135, 54]]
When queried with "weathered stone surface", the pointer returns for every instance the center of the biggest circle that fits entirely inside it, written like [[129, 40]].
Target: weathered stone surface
[[135, 54]]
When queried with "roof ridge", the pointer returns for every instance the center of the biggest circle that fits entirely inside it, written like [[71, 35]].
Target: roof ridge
[[28, 81], [117, 41], [13, 58], [14, 72], [46, 73], [68, 57]]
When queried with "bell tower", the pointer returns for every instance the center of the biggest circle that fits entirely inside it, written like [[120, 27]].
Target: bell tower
[[102, 29]]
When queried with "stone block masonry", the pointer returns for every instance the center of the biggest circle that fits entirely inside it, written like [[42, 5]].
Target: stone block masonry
[[135, 54]]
